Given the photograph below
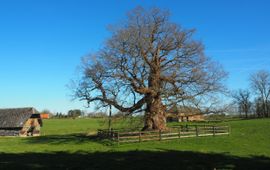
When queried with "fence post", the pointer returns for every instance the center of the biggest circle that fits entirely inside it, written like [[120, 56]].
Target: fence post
[[214, 133], [118, 138], [179, 132], [160, 135], [140, 139], [197, 133], [110, 134]]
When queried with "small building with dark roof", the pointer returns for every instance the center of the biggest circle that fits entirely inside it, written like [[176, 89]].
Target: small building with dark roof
[[184, 114], [20, 122]]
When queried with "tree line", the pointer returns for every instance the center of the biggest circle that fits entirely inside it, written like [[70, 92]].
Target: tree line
[[254, 100], [77, 113], [74, 113]]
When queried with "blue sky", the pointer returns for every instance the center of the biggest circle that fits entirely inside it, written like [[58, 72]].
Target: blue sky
[[42, 42]]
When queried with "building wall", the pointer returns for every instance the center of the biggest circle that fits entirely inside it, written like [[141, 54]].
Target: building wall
[[31, 128], [183, 118], [196, 118], [45, 116]]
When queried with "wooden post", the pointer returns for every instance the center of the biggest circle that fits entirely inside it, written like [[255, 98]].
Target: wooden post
[[140, 137], [118, 138], [160, 138], [214, 131], [110, 118], [197, 133], [112, 136], [112, 132], [182, 129], [179, 132]]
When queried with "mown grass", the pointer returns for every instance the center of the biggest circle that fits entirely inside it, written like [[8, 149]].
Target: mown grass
[[64, 144]]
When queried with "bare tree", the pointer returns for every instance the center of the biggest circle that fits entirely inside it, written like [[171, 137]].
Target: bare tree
[[148, 63], [260, 83], [242, 98]]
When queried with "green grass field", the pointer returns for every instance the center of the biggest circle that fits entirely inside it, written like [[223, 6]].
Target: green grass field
[[68, 144]]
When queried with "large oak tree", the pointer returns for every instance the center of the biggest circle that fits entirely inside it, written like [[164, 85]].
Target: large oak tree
[[147, 63]]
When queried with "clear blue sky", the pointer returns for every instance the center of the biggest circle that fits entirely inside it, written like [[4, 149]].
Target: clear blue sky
[[41, 42]]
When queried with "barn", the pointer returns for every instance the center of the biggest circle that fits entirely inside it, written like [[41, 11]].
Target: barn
[[20, 122]]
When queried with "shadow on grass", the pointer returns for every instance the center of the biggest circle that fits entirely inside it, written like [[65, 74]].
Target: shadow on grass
[[76, 138], [130, 160]]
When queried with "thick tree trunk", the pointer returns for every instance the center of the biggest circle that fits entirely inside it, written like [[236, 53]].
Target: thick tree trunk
[[155, 116]]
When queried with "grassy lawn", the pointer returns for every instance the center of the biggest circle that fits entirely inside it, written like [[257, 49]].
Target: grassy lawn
[[64, 145]]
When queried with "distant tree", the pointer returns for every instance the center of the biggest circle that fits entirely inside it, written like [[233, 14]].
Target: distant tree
[[74, 113], [119, 115], [61, 115], [148, 63], [91, 114], [260, 107], [243, 99], [83, 113], [260, 83], [57, 115], [99, 114], [46, 111]]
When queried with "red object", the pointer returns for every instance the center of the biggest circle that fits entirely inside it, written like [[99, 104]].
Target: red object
[[44, 116]]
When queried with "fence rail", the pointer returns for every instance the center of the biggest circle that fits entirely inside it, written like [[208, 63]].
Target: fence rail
[[175, 132]]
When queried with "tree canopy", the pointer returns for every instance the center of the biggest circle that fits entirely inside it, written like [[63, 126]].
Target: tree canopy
[[149, 63]]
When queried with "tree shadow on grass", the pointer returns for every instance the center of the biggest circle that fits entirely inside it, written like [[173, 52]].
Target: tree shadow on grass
[[164, 159], [76, 138], [130, 160]]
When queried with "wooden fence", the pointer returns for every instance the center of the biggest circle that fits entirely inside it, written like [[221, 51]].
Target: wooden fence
[[175, 132]]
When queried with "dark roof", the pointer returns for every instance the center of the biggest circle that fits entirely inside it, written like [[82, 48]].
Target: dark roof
[[12, 118]]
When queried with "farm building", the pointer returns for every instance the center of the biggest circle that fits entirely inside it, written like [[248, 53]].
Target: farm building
[[20, 122], [184, 114], [44, 116]]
